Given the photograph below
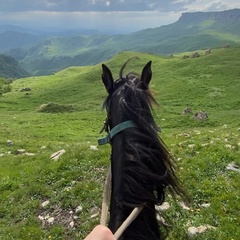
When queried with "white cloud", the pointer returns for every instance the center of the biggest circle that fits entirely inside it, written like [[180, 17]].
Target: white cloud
[[92, 20], [49, 4], [104, 14], [206, 5]]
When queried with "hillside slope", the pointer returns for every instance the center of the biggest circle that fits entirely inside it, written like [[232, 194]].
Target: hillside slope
[[36, 188], [204, 82], [191, 32], [10, 68]]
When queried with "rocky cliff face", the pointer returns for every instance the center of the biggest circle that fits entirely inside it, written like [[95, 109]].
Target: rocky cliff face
[[224, 16]]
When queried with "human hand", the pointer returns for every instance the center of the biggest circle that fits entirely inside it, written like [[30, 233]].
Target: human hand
[[100, 232]]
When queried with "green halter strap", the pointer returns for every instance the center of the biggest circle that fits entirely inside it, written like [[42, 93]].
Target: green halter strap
[[114, 131]]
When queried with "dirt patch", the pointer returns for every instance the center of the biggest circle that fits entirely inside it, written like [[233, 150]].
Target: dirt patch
[[55, 108], [55, 215]]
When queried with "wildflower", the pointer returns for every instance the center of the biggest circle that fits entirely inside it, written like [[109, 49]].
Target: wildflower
[[68, 189]]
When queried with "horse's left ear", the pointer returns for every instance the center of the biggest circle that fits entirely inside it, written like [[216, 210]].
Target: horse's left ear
[[107, 78], [146, 75]]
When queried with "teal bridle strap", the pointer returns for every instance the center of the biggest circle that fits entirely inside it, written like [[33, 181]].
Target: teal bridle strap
[[114, 131]]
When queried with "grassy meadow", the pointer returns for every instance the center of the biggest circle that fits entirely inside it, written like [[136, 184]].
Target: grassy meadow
[[71, 187]]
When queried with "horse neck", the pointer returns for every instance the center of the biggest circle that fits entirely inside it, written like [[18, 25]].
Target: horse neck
[[145, 226]]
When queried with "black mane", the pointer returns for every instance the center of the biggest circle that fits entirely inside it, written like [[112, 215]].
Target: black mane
[[142, 167], [137, 106]]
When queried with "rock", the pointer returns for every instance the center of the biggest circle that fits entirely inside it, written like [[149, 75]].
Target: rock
[[78, 209], [233, 166], [201, 116], [195, 55], [226, 46], [44, 204], [184, 206], [50, 220], [205, 205], [9, 143], [41, 218], [20, 151], [94, 211], [55, 156], [94, 215], [25, 89], [71, 224], [185, 57], [228, 146], [208, 51], [161, 220], [186, 111], [29, 154], [193, 231], [93, 147], [163, 207]]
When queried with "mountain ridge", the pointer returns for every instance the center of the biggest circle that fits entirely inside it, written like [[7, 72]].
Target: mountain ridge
[[221, 16], [10, 68], [193, 31]]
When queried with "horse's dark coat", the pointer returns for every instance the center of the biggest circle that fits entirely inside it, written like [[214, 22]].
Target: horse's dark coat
[[141, 164]]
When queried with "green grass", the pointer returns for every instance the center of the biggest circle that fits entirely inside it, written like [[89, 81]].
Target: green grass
[[203, 149]]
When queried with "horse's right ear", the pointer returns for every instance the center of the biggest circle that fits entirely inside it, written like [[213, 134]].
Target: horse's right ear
[[107, 78], [146, 75]]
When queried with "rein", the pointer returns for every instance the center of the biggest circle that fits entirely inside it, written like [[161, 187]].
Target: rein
[[106, 195]]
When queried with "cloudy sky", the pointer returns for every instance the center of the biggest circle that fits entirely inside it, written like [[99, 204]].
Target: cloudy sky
[[104, 15]]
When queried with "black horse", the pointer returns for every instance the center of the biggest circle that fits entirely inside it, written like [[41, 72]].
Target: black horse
[[141, 165]]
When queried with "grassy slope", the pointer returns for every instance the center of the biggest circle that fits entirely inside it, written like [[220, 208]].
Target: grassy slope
[[209, 83]]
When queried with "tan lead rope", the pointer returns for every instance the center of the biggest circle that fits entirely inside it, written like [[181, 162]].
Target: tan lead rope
[[106, 197], [135, 212]]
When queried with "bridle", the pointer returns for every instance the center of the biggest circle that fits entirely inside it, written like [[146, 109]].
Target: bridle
[[118, 128], [106, 196], [115, 130]]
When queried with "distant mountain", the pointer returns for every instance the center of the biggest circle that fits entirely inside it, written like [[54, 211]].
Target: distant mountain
[[192, 31], [10, 68], [199, 30], [224, 16], [12, 39]]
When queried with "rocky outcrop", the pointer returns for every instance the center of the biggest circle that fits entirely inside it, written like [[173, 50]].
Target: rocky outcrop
[[232, 15]]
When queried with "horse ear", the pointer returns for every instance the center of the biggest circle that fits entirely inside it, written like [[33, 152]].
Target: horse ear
[[107, 78], [146, 75]]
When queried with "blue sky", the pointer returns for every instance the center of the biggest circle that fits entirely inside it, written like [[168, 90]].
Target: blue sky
[[104, 15]]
